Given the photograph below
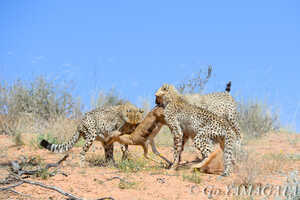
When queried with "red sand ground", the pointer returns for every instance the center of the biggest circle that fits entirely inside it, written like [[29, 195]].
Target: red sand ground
[[90, 182]]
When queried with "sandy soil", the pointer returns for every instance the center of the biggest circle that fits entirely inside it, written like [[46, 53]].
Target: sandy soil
[[265, 165]]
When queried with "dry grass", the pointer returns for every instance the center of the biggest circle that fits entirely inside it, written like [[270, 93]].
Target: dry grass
[[135, 163], [257, 119], [194, 177], [249, 168], [274, 163], [61, 128], [40, 107], [41, 97]]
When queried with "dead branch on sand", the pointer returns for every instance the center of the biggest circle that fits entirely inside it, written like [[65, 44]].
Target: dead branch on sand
[[16, 173], [17, 168]]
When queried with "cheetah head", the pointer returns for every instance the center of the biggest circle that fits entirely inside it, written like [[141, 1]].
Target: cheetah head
[[164, 94], [131, 114]]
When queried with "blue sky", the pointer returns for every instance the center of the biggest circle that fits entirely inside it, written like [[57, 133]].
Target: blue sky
[[135, 46]]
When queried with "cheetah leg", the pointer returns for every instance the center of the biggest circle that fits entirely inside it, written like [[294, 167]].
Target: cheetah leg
[[125, 152], [222, 145], [184, 140], [88, 143], [232, 119], [175, 128], [227, 146], [178, 142]]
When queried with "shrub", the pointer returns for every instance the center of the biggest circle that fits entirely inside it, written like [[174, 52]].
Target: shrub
[[40, 100], [40, 97], [110, 98], [197, 83], [257, 119]]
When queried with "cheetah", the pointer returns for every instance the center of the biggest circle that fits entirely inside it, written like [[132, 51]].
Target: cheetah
[[220, 103], [205, 127], [98, 124]]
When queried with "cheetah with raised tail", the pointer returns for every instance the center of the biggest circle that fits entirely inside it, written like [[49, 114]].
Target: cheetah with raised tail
[[220, 103], [205, 127], [98, 124]]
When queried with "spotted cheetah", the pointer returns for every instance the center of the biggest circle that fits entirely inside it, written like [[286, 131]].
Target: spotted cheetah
[[220, 103], [98, 124], [205, 127]]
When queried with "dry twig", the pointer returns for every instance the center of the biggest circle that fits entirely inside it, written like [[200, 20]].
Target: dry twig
[[16, 177]]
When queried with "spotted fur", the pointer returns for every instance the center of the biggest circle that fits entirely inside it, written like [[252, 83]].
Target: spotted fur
[[98, 124], [205, 127], [222, 104]]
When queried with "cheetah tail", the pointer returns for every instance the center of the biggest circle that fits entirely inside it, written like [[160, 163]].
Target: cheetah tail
[[228, 86], [59, 148]]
